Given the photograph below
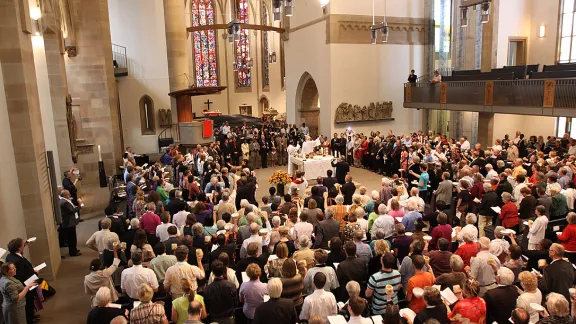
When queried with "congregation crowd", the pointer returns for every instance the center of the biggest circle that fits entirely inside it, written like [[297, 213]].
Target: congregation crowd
[[456, 233]]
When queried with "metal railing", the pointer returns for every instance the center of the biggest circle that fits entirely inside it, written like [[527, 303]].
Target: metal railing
[[119, 56]]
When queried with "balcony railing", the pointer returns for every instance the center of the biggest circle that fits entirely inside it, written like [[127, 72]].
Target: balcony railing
[[533, 97], [120, 60]]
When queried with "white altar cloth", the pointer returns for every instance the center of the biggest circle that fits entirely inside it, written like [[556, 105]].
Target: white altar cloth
[[312, 168]]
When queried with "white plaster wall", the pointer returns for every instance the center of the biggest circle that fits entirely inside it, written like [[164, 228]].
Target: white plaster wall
[[139, 26], [10, 202], [368, 73], [307, 51], [512, 22], [45, 102], [543, 50], [395, 8], [528, 125]]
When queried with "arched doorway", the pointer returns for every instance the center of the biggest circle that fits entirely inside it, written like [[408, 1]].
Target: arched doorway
[[263, 106], [308, 104]]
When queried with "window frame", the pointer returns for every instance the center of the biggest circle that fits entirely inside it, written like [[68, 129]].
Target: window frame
[[192, 40], [147, 111]]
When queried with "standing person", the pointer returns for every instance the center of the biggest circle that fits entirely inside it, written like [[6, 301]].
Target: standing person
[[412, 77], [24, 270], [70, 219], [276, 310], [252, 292], [559, 275], [377, 285], [537, 228], [342, 169], [220, 296], [423, 179], [437, 77], [420, 279], [14, 295], [320, 302], [471, 308], [264, 149]]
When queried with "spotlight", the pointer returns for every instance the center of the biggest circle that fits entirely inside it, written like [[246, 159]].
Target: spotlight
[[289, 7], [384, 31], [373, 35], [277, 9]]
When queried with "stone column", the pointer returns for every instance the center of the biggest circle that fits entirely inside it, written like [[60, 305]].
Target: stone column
[[92, 87], [24, 115], [175, 25], [57, 79]]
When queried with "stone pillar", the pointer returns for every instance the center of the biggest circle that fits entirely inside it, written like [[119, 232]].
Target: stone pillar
[[489, 39], [176, 47], [25, 120], [53, 48], [92, 87], [485, 129]]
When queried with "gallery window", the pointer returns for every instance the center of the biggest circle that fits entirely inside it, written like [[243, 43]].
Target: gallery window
[[243, 48], [567, 32], [205, 58]]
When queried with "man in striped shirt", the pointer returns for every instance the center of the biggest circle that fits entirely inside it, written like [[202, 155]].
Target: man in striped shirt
[[377, 285]]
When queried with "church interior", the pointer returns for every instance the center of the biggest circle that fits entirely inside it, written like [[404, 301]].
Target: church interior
[[82, 81]]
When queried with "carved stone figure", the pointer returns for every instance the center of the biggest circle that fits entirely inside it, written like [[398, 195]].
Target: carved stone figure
[[374, 111], [71, 50], [71, 121]]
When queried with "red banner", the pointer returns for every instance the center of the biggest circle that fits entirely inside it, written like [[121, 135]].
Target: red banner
[[207, 128]]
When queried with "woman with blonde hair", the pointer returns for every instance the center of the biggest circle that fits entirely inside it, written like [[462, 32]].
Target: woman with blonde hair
[[147, 312], [139, 205], [180, 305], [274, 267], [531, 294]]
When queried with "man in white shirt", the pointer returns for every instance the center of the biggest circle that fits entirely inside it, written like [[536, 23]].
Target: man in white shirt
[[99, 240], [182, 269], [331, 281], [162, 229], [483, 266], [491, 174], [304, 130], [356, 307], [254, 237], [179, 219], [464, 144], [384, 222], [225, 129], [320, 302], [136, 275]]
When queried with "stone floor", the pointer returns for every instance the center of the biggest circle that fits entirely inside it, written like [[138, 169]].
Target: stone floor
[[70, 304]]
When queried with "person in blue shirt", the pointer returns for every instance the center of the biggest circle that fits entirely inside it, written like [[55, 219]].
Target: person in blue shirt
[[423, 179]]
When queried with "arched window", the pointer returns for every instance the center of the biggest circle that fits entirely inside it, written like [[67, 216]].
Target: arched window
[[205, 65], [265, 49], [243, 48], [147, 115]]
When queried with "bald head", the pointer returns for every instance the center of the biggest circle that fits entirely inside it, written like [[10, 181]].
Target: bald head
[[254, 228], [520, 316]]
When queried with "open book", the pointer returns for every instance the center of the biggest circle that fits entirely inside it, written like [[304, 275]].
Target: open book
[[449, 296], [408, 312]]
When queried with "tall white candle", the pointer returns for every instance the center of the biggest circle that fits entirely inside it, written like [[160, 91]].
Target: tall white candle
[[99, 154]]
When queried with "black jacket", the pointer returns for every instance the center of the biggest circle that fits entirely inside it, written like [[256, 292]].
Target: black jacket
[[500, 302], [24, 268], [348, 190], [277, 311], [557, 277], [342, 169], [329, 182], [68, 214], [490, 199], [325, 231]]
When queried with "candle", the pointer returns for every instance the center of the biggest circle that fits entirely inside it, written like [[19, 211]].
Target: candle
[[99, 154]]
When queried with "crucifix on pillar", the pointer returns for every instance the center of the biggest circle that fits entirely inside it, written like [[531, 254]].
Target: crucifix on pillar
[[208, 102]]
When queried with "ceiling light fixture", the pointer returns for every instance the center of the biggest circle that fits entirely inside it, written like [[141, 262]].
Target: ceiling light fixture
[[277, 9], [381, 27], [464, 17], [485, 6], [289, 7]]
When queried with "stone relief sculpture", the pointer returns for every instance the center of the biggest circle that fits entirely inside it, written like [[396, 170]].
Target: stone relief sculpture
[[71, 121], [165, 117], [374, 111]]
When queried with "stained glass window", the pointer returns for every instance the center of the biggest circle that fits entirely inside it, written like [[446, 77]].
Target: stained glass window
[[204, 44], [243, 47], [265, 48]]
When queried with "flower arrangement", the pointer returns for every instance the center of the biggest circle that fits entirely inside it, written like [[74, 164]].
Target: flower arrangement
[[280, 177]]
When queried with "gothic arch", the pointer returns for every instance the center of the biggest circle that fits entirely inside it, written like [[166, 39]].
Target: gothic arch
[[147, 120], [263, 105], [307, 99]]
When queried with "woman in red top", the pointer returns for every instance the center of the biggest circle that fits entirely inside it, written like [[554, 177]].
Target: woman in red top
[[568, 236], [509, 212], [471, 309]]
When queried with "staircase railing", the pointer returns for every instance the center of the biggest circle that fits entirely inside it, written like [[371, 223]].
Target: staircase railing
[[166, 136], [119, 56]]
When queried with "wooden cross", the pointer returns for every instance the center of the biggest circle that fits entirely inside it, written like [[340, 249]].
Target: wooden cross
[[208, 102]]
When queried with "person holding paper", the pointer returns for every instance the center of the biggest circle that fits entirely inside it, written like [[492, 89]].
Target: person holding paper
[[509, 212], [420, 279], [252, 292], [470, 309], [14, 294], [70, 220], [24, 270], [434, 308], [501, 301]]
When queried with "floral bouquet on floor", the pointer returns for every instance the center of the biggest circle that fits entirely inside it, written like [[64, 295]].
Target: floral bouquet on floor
[[280, 178]]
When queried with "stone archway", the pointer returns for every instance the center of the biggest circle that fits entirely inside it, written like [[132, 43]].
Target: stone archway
[[308, 104], [263, 106]]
